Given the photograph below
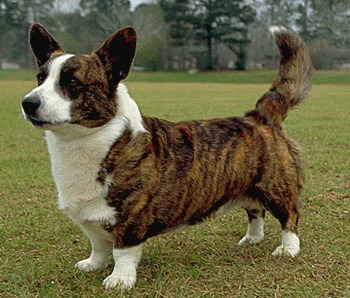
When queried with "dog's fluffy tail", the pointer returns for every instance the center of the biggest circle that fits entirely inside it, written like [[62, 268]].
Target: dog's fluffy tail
[[293, 81]]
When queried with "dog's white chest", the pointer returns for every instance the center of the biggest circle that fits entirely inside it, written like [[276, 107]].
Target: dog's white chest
[[76, 154], [74, 169]]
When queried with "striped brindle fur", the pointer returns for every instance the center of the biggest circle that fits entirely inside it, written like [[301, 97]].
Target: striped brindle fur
[[124, 177]]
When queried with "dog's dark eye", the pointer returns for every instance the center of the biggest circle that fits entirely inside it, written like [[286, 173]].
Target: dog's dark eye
[[74, 85], [41, 78], [74, 82], [71, 84]]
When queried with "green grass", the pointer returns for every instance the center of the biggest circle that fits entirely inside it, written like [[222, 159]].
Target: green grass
[[228, 77], [39, 244], [22, 74]]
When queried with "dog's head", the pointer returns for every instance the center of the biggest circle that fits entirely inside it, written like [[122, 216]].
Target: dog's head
[[77, 89]]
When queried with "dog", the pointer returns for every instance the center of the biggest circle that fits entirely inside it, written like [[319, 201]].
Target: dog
[[124, 177]]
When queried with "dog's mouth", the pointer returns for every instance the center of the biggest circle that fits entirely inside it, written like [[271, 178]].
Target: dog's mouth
[[40, 123], [37, 122]]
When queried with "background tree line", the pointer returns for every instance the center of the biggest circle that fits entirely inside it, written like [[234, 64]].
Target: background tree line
[[183, 34]]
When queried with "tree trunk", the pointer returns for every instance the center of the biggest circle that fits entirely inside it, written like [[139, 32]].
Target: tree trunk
[[209, 49], [241, 62]]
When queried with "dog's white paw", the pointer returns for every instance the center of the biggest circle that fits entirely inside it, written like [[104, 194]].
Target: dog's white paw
[[250, 239], [124, 280], [88, 266], [290, 245], [286, 251], [255, 232]]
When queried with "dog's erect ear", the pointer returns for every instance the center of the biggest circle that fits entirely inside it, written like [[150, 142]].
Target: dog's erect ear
[[43, 44], [117, 54]]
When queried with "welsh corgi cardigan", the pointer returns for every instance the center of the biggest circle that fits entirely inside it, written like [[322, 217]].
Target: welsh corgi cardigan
[[124, 177]]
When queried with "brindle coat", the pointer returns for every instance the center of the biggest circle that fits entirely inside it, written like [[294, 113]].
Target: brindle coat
[[181, 173]]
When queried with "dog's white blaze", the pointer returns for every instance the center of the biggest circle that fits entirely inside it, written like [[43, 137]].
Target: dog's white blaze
[[55, 107]]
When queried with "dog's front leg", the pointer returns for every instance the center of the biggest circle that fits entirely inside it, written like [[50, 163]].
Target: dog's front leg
[[101, 246], [124, 272]]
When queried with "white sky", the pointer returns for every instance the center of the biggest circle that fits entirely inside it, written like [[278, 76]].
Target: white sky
[[134, 3], [67, 5]]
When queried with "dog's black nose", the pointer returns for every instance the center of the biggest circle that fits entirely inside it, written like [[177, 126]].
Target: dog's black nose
[[31, 104]]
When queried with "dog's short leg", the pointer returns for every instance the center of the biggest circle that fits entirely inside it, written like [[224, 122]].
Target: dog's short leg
[[124, 272], [290, 244], [101, 250], [255, 232], [288, 218]]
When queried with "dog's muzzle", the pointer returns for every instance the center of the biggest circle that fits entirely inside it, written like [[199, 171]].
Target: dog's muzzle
[[30, 107]]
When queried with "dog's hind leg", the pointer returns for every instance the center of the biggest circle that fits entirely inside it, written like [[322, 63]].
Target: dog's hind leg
[[286, 210], [290, 241], [280, 193], [255, 232]]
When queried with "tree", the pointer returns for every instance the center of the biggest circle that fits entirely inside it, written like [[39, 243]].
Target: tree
[[209, 21], [106, 16], [75, 33], [233, 30], [18, 16], [151, 36], [325, 24], [331, 18], [7, 19]]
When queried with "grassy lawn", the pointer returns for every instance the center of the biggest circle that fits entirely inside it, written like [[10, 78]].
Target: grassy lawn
[[228, 77], [40, 245]]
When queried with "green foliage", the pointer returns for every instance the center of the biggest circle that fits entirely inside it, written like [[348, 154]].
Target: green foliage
[[319, 22], [106, 16], [151, 37], [198, 33], [209, 21], [101, 6], [178, 15], [150, 53], [15, 24]]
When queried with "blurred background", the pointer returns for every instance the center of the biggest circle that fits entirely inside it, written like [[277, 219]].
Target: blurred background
[[182, 35]]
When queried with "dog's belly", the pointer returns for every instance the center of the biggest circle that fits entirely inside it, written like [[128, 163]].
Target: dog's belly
[[244, 202]]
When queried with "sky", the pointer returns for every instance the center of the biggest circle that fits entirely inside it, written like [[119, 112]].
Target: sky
[[134, 3], [67, 5]]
